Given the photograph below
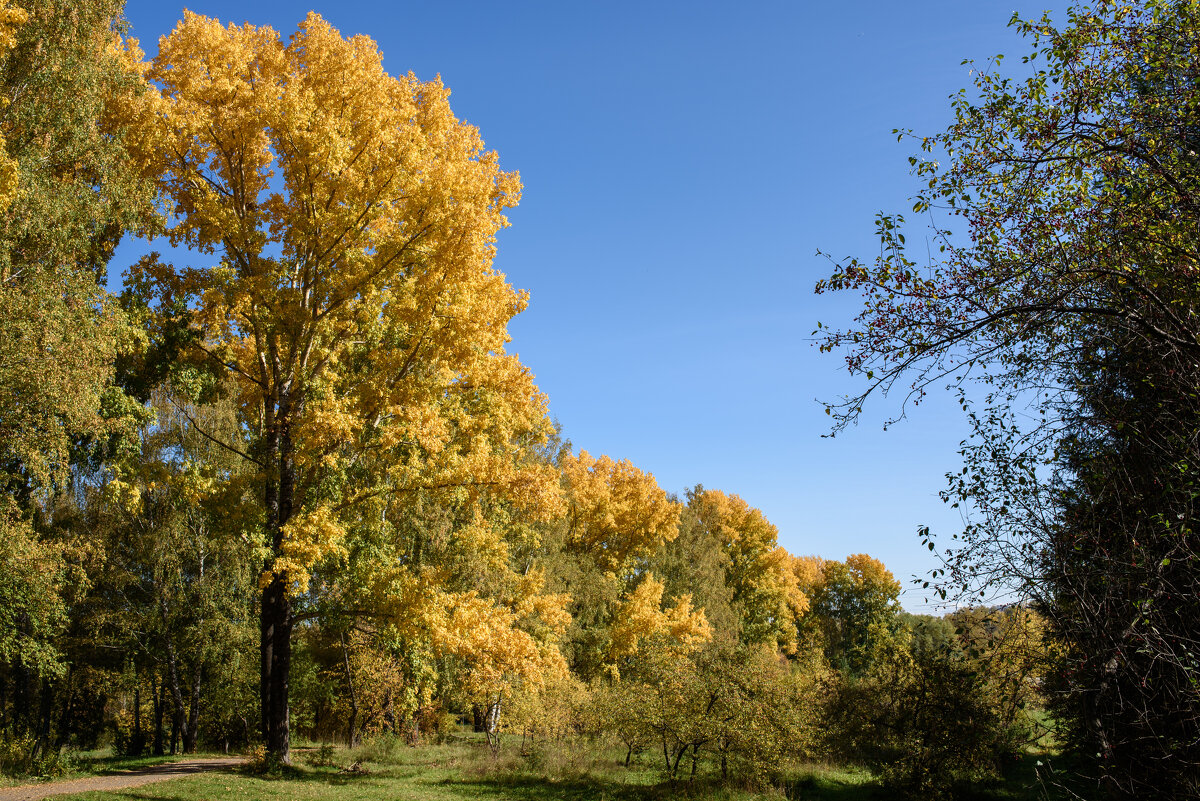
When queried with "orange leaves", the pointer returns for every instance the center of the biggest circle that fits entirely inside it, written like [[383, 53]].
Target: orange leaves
[[640, 617], [617, 512]]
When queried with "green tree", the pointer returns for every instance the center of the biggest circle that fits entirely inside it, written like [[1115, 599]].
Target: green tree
[[68, 191], [177, 584], [695, 564], [1120, 579], [1069, 287], [75, 192], [855, 608], [924, 719]]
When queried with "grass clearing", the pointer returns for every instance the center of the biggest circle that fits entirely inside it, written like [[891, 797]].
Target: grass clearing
[[464, 770]]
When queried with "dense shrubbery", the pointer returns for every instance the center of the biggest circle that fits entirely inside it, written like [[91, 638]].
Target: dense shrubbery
[[927, 720]]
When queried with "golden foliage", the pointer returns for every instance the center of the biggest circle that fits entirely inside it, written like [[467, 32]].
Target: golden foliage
[[616, 512], [11, 17], [641, 616], [354, 299], [308, 538], [760, 572], [867, 571]]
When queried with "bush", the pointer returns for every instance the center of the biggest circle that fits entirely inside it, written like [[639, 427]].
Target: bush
[[925, 721], [322, 757], [261, 762], [740, 711], [21, 756]]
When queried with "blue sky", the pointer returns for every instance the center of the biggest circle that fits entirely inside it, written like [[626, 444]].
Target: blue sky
[[682, 163]]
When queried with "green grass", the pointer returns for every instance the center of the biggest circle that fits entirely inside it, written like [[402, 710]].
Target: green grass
[[464, 770]]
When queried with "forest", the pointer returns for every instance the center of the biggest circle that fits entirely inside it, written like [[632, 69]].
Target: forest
[[304, 505]]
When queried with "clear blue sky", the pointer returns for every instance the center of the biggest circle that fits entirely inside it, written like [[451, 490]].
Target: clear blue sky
[[682, 162]]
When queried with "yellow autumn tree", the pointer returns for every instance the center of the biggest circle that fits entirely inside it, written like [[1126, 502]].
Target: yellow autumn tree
[[760, 573], [616, 512], [641, 616], [351, 222]]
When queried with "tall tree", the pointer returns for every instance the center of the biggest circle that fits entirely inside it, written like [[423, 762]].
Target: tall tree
[[68, 190], [1120, 571], [855, 608], [758, 572], [1072, 294], [354, 300]]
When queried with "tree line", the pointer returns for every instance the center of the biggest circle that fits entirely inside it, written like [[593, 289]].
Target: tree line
[[305, 488]]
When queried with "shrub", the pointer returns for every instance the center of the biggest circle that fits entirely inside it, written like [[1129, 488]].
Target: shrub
[[925, 720], [261, 762], [23, 756], [322, 757]]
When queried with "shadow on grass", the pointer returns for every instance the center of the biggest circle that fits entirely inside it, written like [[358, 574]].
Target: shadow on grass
[[537, 789], [105, 765]]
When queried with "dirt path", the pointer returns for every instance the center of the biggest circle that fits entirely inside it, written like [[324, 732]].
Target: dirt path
[[117, 781]]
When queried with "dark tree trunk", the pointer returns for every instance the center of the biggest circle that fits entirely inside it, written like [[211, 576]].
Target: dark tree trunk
[[175, 720], [21, 693], [45, 709], [64, 719], [137, 742], [275, 628], [158, 716], [180, 721], [350, 726], [191, 730], [277, 657]]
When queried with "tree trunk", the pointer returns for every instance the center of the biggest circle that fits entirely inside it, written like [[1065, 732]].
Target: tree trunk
[[158, 716], [277, 658], [275, 629], [191, 731], [353, 695], [491, 722], [45, 709], [21, 693], [179, 723], [68, 710], [137, 741]]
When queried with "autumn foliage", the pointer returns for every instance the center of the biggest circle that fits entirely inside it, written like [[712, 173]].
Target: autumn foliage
[[296, 482]]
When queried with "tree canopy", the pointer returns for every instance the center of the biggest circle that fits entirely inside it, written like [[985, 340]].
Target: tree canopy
[[1062, 205]]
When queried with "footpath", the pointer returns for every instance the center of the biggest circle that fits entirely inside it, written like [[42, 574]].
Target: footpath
[[117, 781]]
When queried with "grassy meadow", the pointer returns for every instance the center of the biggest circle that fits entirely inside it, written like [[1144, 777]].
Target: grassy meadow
[[463, 769]]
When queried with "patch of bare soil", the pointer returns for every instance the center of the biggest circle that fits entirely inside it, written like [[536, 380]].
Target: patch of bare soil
[[117, 781]]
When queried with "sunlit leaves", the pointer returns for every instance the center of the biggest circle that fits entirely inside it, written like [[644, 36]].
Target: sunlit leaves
[[616, 511]]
